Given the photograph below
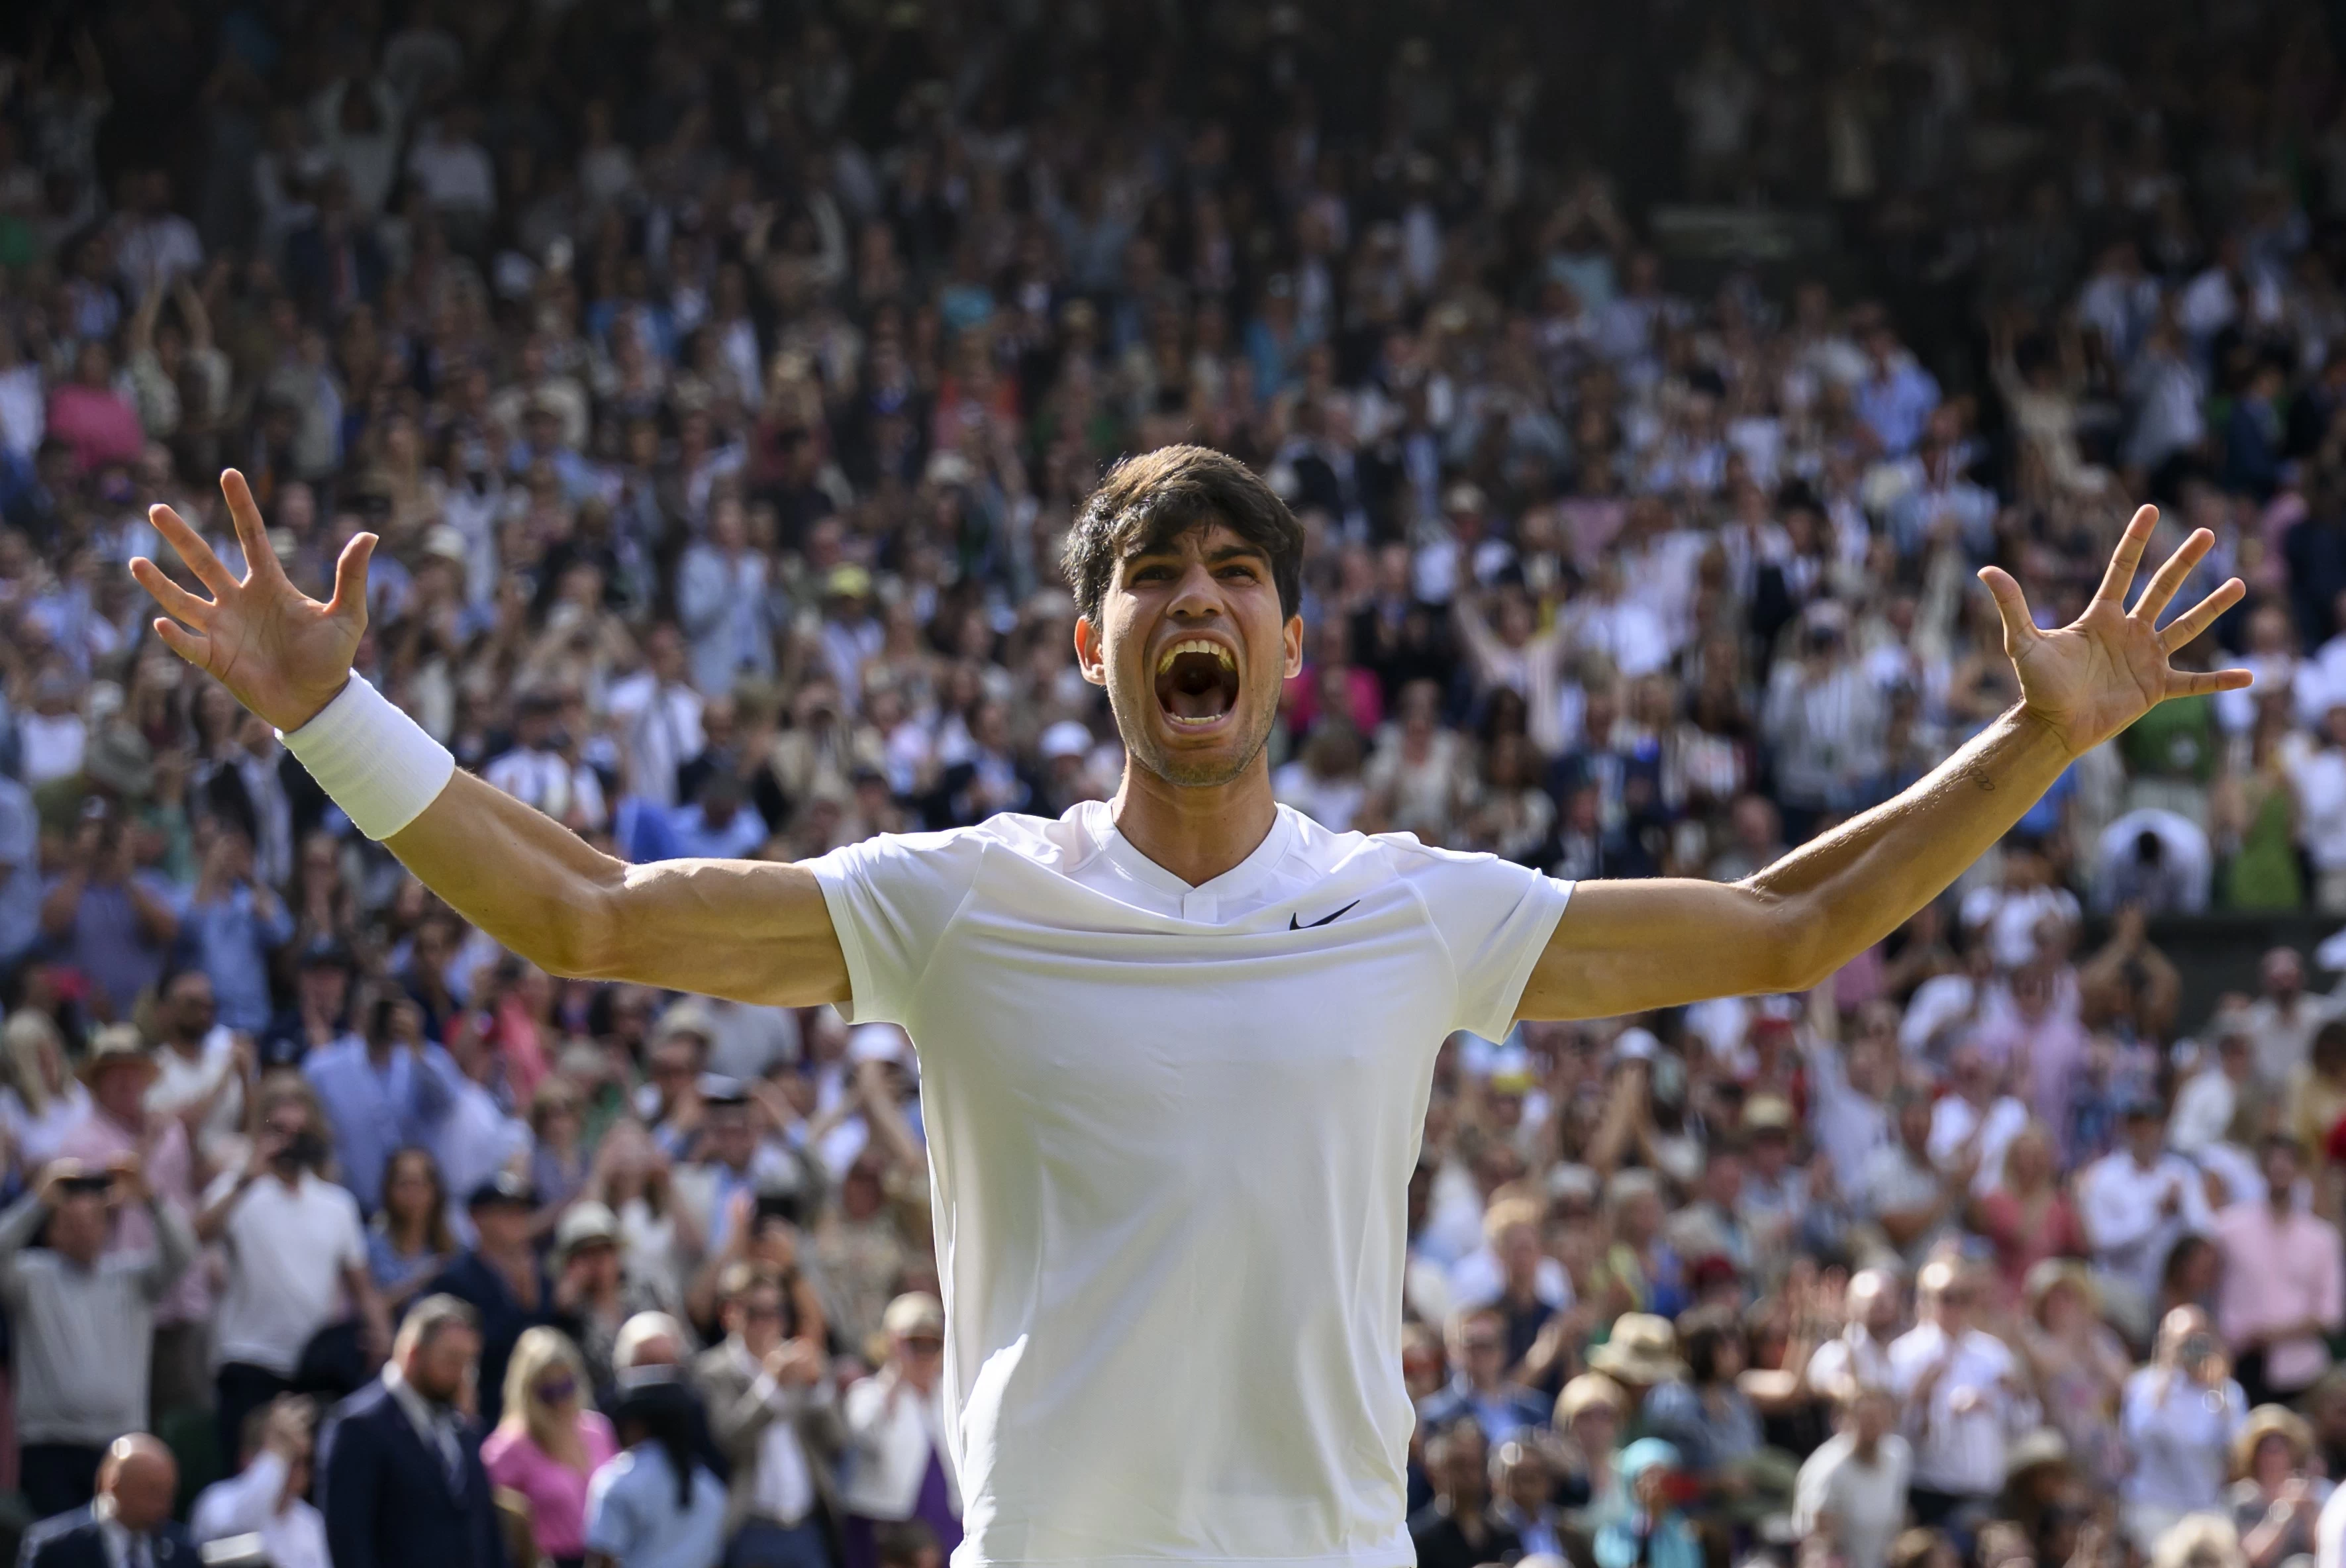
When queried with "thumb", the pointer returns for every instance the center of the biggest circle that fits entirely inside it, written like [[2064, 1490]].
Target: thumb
[[349, 600], [2019, 629]]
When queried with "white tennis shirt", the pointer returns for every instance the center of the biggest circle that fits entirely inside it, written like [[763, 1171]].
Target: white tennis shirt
[[1171, 1135]]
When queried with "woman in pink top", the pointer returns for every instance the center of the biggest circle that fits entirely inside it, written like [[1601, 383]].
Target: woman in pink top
[[550, 1442], [87, 414], [2027, 1217]]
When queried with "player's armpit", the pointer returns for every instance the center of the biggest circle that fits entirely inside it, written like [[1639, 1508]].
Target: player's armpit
[[750, 931], [1626, 947]]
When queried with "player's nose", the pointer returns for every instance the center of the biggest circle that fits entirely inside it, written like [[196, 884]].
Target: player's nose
[[1197, 594]]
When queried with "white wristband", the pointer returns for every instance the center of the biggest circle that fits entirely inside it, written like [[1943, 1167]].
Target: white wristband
[[372, 760]]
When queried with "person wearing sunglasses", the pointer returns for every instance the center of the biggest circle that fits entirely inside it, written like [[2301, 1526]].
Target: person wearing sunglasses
[[548, 1442], [774, 1411]]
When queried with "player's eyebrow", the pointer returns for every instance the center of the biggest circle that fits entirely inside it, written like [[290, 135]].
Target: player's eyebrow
[[1215, 557]]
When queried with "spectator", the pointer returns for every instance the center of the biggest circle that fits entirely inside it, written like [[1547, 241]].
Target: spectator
[[773, 1408], [655, 1504], [1459, 1528], [1522, 1486], [380, 1092], [2080, 1364], [83, 1321], [268, 1495], [119, 1130], [401, 1476], [201, 1067], [2283, 1290], [2180, 1417], [1964, 1398], [111, 918], [1858, 1355], [2281, 1022], [550, 1441], [1589, 1416], [1852, 1491], [42, 1098], [295, 1255], [2275, 1502], [234, 924], [409, 1243], [594, 1294], [2025, 1216], [127, 1522], [501, 1279], [1656, 1532], [899, 1466], [2136, 1202], [2207, 1102], [1478, 1387]]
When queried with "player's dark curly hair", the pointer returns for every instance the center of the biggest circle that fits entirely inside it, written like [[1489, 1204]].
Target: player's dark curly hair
[[1158, 495]]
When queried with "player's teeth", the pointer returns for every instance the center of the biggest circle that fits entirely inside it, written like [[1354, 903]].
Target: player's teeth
[[1196, 645]]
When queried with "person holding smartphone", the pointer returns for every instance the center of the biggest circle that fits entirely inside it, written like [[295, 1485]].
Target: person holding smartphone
[[2178, 1416], [83, 1320], [295, 1252]]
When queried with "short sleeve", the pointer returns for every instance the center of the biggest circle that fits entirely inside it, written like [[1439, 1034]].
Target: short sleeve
[[891, 897], [354, 1242], [1495, 918], [606, 1522]]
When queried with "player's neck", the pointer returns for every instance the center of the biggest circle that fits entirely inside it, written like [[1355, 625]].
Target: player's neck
[[1195, 833]]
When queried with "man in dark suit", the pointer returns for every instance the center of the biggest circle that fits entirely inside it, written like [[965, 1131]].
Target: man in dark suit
[[129, 1524], [401, 1481]]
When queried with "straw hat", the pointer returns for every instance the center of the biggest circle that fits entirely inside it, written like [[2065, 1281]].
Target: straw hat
[[118, 1044], [2271, 1421], [1642, 1349]]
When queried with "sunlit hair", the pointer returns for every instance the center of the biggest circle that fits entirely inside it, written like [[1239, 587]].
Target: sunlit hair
[[1150, 500], [537, 1350], [27, 1029]]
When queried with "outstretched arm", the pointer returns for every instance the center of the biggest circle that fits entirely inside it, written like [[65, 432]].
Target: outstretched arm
[[749, 930], [1628, 946]]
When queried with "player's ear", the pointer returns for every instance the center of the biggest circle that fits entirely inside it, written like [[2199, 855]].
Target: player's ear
[[1091, 651], [1291, 636]]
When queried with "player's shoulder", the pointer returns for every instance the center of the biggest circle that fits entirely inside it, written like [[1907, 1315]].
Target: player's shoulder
[[1059, 843], [1398, 854]]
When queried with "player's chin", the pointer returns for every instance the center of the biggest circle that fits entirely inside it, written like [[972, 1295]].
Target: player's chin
[[1205, 751]]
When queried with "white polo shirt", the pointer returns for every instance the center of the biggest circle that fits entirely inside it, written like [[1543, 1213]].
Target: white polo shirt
[[1171, 1135]]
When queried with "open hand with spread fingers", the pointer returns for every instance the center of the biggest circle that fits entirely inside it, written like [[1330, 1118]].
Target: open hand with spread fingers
[[279, 652], [2091, 678]]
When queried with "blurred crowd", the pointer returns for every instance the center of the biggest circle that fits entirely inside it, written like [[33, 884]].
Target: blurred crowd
[[721, 379]]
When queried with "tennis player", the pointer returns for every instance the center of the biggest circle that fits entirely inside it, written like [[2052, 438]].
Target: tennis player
[[1175, 1047]]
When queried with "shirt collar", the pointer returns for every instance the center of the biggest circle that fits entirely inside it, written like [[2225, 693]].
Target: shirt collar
[[1100, 823], [421, 1413]]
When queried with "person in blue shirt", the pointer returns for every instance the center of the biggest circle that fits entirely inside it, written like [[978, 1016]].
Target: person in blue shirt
[[1478, 1341], [1895, 399], [231, 926], [655, 1505], [379, 1094], [1657, 1534]]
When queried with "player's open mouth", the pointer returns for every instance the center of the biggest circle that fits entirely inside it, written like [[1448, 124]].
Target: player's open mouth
[[1197, 683]]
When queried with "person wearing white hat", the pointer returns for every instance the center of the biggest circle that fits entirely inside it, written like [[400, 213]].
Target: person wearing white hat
[[1175, 1046], [898, 1465]]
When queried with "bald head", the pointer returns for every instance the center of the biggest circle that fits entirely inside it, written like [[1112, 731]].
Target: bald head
[[1874, 1300], [141, 1477]]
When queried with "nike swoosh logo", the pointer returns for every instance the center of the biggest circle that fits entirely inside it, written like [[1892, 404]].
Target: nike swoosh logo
[[1293, 923]]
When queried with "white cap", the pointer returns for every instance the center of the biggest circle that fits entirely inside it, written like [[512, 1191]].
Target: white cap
[[1635, 1045], [1067, 737], [878, 1043]]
